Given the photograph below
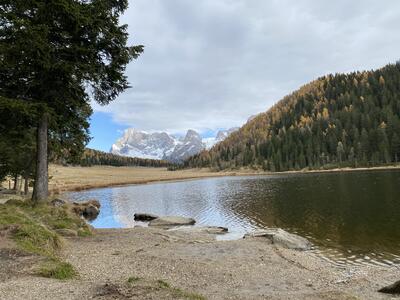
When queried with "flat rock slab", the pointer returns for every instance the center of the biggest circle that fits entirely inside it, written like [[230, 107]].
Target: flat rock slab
[[205, 229], [281, 238], [172, 221], [145, 217]]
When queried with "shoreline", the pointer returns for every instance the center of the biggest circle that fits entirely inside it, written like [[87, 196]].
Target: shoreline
[[75, 179], [58, 184]]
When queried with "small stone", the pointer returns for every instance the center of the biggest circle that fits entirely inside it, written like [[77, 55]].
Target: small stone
[[58, 202]]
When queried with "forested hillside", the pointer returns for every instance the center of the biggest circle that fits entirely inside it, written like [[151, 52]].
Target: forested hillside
[[92, 157], [337, 120]]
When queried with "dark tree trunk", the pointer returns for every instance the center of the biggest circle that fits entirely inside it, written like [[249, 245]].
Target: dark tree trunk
[[15, 182], [19, 189], [26, 186], [40, 190]]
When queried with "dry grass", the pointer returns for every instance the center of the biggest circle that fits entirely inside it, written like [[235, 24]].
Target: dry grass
[[81, 178]]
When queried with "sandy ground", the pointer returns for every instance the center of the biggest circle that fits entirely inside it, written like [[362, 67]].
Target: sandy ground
[[194, 262]]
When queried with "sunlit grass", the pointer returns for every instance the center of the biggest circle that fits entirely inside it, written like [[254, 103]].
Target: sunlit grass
[[32, 228]]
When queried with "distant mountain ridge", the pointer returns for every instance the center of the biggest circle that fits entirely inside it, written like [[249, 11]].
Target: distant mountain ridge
[[163, 146]]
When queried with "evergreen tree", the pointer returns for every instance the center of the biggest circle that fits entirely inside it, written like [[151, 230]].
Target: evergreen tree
[[58, 55]]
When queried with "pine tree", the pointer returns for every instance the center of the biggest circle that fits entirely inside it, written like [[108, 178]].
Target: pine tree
[[58, 55]]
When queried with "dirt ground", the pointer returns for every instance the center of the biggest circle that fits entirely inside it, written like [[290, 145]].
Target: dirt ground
[[147, 263]]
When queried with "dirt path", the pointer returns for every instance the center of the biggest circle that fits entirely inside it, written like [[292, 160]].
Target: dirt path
[[179, 265]]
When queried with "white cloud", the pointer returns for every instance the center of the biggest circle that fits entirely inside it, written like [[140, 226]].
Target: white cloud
[[213, 63]]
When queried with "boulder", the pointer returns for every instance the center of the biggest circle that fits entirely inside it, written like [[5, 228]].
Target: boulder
[[90, 212], [89, 209], [144, 217], [281, 238], [393, 289], [67, 232], [172, 221]]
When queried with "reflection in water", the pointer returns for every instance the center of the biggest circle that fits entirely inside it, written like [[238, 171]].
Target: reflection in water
[[350, 217]]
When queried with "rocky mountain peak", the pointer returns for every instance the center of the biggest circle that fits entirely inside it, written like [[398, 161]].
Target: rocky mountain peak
[[161, 145]]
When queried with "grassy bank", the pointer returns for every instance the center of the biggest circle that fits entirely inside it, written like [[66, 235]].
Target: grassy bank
[[36, 230]]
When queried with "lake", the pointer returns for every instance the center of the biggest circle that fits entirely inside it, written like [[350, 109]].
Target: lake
[[350, 217]]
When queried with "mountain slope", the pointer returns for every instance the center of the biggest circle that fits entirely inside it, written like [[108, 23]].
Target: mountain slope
[[337, 120], [161, 145]]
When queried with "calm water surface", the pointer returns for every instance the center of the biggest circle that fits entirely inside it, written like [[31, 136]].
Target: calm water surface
[[352, 218]]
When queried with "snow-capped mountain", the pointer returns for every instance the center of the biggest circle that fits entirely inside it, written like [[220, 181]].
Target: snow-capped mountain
[[161, 145], [221, 135]]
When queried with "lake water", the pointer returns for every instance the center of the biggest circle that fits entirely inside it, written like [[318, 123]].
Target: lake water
[[350, 217]]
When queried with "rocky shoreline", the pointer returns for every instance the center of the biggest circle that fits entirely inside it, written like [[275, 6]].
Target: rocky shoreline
[[161, 262]]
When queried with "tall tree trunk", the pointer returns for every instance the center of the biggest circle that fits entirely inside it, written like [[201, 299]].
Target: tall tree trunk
[[19, 189], [40, 190]]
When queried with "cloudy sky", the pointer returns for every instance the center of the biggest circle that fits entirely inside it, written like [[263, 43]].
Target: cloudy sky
[[211, 64]]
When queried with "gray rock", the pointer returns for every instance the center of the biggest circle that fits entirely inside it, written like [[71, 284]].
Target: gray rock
[[281, 238], [67, 232], [172, 221], [58, 202], [205, 229], [144, 217], [391, 289]]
